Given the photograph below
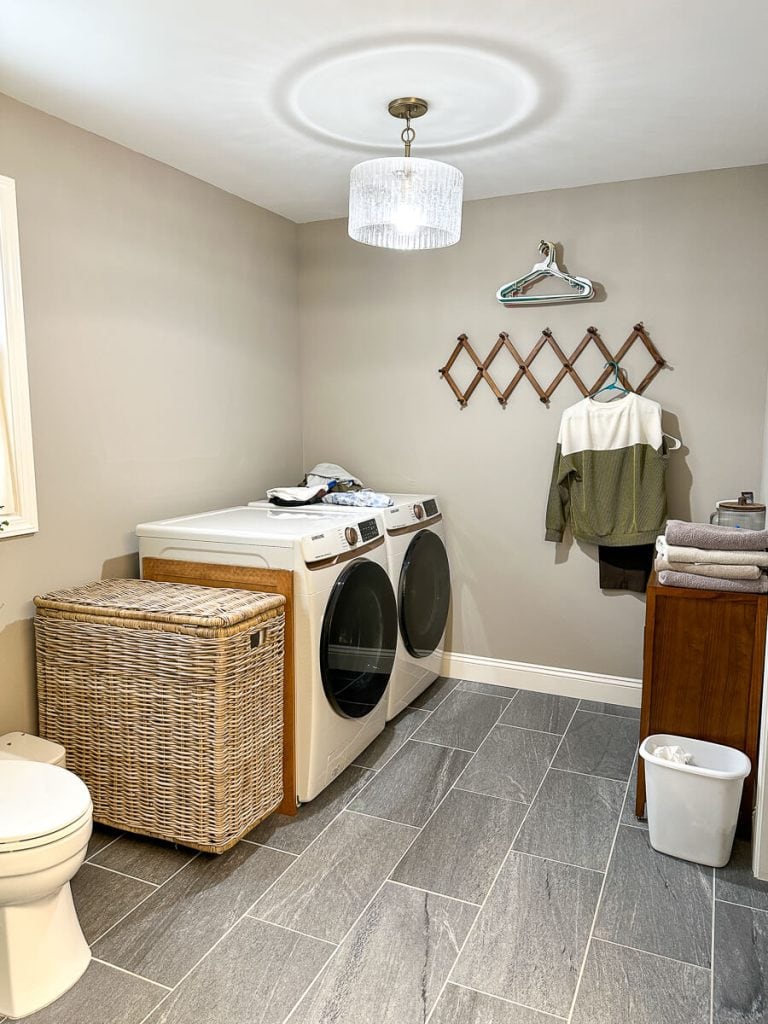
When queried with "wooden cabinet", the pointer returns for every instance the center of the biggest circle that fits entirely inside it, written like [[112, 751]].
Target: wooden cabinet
[[703, 673]]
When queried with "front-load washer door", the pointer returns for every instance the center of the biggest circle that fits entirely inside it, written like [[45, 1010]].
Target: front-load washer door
[[424, 594], [358, 639]]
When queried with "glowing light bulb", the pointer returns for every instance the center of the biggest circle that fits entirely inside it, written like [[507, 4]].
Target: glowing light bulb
[[407, 218]]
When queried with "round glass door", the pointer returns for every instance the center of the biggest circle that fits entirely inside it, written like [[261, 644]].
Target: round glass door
[[424, 594], [358, 639]]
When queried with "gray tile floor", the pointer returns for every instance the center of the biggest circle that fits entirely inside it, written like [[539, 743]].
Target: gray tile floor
[[479, 865]]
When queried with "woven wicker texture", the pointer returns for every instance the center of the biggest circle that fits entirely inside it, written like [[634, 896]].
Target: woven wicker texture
[[169, 701]]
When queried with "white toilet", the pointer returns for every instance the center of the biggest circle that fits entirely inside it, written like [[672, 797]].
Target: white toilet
[[45, 824]]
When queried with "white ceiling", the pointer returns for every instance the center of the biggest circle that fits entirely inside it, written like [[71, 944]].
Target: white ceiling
[[275, 102]]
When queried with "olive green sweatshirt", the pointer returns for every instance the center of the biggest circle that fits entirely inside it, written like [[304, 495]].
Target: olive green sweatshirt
[[609, 474]]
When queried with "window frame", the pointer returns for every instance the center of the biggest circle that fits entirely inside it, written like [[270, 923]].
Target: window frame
[[23, 519]]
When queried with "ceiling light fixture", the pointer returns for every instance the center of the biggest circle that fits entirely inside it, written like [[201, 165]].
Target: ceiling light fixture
[[403, 202]]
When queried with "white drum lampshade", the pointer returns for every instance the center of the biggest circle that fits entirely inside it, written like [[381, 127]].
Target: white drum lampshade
[[403, 202]]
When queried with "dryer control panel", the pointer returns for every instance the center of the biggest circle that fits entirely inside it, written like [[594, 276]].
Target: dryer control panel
[[418, 512], [330, 543]]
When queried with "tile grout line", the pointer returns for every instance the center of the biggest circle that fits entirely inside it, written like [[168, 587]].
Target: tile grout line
[[592, 775], [124, 874], [148, 896], [398, 749], [712, 951], [610, 714], [273, 924], [132, 974], [378, 817], [101, 849], [599, 902], [496, 876], [648, 952], [565, 863], [445, 746], [745, 906], [432, 892], [503, 999]]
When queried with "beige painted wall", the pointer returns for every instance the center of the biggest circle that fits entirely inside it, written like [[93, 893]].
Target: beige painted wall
[[161, 321], [686, 254]]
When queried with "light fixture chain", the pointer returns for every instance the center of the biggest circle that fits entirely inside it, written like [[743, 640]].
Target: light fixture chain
[[408, 134]]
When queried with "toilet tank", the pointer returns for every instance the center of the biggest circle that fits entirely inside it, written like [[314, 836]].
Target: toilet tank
[[33, 748]]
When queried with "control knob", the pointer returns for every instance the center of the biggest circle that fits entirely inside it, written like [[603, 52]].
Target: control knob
[[418, 511], [352, 536]]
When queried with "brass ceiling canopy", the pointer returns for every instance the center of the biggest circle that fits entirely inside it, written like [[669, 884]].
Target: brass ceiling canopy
[[409, 107]]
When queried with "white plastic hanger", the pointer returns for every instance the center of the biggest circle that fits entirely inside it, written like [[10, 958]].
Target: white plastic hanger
[[513, 293]]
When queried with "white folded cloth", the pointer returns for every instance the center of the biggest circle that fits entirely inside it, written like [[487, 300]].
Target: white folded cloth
[[325, 471], [721, 572], [678, 553], [295, 495]]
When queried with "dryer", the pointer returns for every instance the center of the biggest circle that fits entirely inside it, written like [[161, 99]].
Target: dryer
[[420, 573], [344, 616]]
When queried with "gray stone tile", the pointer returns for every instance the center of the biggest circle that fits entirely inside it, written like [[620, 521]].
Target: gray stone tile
[[490, 688], [435, 694], [166, 936], [736, 883], [323, 892], [256, 975], [510, 763], [573, 819], [459, 1005], [530, 938], [462, 846], [294, 833], [392, 965], [656, 903], [599, 707], [599, 745], [102, 898], [463, 720], [412, 784], [626, 985], [543, 711], [103, 995], [392, 738], [101, 837], [741, 965], [148, 859]]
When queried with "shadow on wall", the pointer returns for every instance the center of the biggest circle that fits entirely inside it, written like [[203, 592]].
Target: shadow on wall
[[18, 689], [18, 696], [123, 567]]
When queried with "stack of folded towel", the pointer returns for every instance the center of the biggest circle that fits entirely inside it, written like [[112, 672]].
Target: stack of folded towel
[[707, 557]]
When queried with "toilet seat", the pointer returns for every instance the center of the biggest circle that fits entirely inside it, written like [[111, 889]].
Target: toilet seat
[[39, 804]]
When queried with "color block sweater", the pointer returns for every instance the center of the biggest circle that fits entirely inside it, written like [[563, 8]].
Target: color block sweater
[[609, 473]]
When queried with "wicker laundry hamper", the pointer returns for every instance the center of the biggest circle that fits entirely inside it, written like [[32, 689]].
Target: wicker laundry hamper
[[169, 701]]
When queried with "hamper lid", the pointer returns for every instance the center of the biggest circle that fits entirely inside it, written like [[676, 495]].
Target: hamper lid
[[177, 603], [38, 799]]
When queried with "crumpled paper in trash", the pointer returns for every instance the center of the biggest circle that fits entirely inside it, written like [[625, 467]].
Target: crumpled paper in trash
[[675, 754]]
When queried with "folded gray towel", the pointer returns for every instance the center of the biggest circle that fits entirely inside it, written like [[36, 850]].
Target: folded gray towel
[[710, 569], [687, 579], [725, 538]]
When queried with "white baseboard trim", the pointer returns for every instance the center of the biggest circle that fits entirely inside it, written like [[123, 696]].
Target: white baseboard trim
[[543, 678]]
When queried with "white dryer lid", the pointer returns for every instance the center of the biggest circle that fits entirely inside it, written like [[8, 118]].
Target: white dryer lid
[[38, 799], [242, 524]]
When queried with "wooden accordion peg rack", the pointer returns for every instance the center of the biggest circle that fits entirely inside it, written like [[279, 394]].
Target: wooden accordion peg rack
[[592, 335]]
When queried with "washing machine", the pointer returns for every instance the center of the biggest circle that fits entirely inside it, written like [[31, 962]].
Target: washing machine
[[420, 573], [344, 616]]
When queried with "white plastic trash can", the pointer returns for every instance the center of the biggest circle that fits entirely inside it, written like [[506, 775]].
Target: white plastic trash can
[[693, 808]]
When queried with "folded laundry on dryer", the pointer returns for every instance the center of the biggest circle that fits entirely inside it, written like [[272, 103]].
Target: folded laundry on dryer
[[298, 495]]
